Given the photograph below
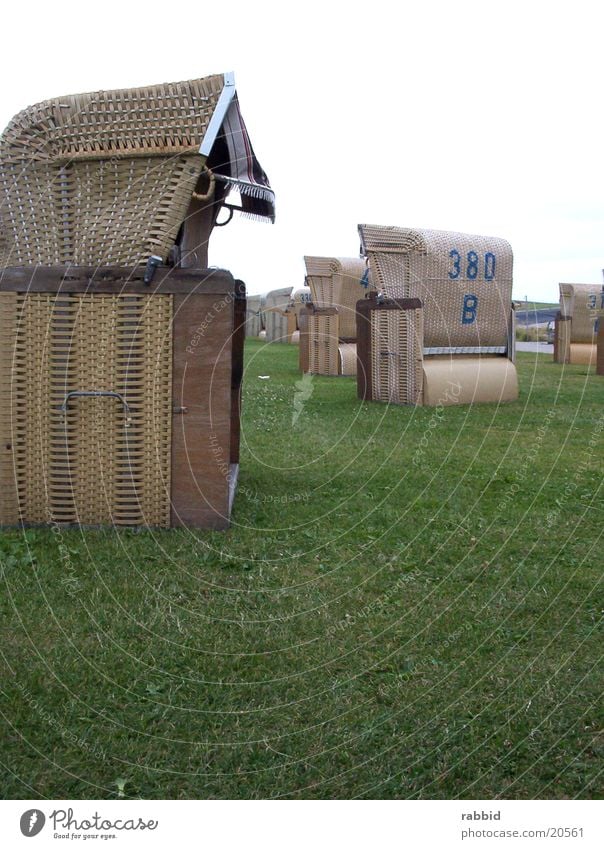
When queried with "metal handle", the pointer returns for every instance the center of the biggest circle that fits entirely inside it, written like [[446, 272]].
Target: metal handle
[[93, 393]]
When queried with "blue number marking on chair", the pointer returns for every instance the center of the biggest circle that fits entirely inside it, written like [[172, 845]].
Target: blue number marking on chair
[[456, 257], [472, 269], [489, 266], [470, 305]]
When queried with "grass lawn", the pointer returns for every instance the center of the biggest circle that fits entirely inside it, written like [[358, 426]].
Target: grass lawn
[[408, 605]]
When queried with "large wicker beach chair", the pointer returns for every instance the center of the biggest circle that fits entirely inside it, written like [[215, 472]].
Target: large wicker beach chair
[[336, 285], [120, 374], [114, 177], [279, 315], [576, 327], [442, 330]]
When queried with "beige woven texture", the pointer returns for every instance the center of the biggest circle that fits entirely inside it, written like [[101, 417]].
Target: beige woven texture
[[97, 463], [396, 356], [336, 282], [323, 344], [276, 315], [408, 263], [102, 178], [583, 304]]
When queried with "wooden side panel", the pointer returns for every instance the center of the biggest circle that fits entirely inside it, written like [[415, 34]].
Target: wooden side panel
[[202, 388], [303, 351], [364, 389], [291, 324], [600, 356], [562, 326], [238, 342]]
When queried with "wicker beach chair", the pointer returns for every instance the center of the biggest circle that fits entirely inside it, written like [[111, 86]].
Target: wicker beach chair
[[254, 315], [279, 315], [576, 326], [442, 330], [301, 298], [120, 376], [335, 284]]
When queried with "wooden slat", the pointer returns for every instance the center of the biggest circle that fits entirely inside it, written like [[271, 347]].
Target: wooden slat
[[562, 339], [115, 280], [201, 436], [238, 342], [600, 355]]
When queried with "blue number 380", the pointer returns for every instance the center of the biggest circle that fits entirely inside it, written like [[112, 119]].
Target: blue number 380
[[472, 265]]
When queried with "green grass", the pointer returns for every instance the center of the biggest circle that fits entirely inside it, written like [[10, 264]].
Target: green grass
[[408, 605]]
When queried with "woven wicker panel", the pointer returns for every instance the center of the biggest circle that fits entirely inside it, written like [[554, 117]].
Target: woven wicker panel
[[583, 304], [396, 356], [338, 282], [24, 378], [162, 119], [323, 344], [97, 462], [9, 505], [84, 214], [464, 281]]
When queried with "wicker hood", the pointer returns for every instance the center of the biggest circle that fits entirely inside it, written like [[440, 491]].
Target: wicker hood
[[107, 177]]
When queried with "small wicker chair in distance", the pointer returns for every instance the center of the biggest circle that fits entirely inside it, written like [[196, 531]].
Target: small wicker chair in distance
[[279, 315], [442, 330], [254, 322], [576, 327], [336, 285], [301, 298]]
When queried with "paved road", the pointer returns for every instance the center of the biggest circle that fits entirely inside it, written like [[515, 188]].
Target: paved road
[[535, 347]]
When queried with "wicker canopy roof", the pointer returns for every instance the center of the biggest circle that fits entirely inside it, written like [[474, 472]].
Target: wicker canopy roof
[[163, 119], [107, 177]]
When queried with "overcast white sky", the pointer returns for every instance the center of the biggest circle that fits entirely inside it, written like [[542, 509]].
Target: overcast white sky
[[483, 117]]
